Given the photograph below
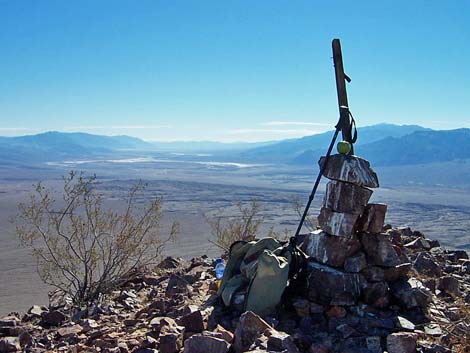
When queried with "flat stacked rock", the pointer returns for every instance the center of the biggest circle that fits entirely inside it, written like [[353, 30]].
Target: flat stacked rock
[[346, 197], [359, 271], [350, 253]]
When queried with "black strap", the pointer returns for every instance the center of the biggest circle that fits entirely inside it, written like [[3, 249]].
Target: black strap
[[353, 123], [348, 123]]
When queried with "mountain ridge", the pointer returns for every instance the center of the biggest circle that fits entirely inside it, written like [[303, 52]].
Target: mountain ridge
[[286, 151], [382, 144], [419, 147]]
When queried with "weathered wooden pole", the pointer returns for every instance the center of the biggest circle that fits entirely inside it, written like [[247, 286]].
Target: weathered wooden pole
[[341, 79], [344, 124]]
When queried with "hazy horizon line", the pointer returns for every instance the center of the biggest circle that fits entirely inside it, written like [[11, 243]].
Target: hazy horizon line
[[38, 131]]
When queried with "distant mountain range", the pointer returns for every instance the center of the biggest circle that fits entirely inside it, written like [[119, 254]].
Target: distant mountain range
[[382, 144], [75, 140], [56, 145], [302, 150], [419, 147]]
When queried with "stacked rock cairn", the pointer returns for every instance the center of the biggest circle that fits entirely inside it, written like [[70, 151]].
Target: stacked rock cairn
[[355, 265]]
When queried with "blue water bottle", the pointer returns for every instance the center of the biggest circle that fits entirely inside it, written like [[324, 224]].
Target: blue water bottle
[[219, 271]]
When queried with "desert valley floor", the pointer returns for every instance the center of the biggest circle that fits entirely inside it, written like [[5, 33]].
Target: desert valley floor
[[191, 190]]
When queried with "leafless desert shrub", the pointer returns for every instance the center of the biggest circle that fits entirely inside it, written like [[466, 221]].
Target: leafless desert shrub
[[83, 249], [310, 222], [243, 225]]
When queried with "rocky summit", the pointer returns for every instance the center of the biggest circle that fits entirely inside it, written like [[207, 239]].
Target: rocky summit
[[410, 295]]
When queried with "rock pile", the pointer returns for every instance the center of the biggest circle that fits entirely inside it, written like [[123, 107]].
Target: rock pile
[[176, 310], [366, 280], [370, 288]]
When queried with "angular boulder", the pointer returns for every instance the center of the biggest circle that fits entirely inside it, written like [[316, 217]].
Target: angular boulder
[[9, 321], [356, 263], [204, 344], [346, 197], [393, 274], [177, 285], [425, 264], [377, 294], [170, 342], [36, 311], [277, 341], [329, 286], [418, 244], [449, 285], [351, 169], [379, 250], [374, 274], [329, 249], [404, 324], [337, 223], [411, 293], [53, 318], [373, 218], [224, 334], [169, 263], [164, 324], [69, 331], [193, 322], [250, 327], [401, 342], [10, 344]]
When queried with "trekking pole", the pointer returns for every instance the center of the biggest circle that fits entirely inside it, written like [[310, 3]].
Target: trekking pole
[[345, 123], [317, 182]]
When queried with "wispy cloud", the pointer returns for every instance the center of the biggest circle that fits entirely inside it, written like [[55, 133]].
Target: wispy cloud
[[117, 127], [274, 131], [292, 123], [15, 129]]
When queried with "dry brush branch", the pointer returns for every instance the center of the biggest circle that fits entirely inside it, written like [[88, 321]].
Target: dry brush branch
[[84, 250]]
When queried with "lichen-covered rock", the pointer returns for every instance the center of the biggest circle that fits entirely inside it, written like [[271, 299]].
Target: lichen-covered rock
[[351, 169]]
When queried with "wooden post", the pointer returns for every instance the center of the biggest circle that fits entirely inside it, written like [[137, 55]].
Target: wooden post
[[342, 94]]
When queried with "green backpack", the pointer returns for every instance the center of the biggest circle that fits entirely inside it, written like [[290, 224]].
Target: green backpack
[[257, 273]]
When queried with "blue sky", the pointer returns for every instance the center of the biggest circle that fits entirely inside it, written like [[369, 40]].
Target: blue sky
[[229, 70]]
